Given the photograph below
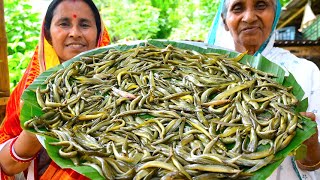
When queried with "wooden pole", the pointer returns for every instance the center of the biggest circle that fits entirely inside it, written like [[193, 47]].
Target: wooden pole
[[4, 71], [291, 18]]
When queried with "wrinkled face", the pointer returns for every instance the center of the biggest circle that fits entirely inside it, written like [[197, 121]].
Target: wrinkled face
[[73, 29], [249, 22]]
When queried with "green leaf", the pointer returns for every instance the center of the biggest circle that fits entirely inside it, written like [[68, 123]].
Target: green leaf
[[31, 107]]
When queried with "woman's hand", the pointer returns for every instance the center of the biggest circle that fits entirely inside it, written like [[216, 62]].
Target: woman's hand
[[26, 146], [26, 141], [310, 115], [312, 160]]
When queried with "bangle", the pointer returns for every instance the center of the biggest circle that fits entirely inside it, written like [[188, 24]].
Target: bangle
[[317, 165], [14, 155]]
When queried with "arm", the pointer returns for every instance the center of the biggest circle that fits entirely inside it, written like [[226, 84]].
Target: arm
[[26, 146]]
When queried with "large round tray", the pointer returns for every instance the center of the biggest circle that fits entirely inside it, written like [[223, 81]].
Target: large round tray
[[31, 107]]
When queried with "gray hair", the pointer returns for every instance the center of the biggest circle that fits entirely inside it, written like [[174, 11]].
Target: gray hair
[[226, 5], [225, 9]]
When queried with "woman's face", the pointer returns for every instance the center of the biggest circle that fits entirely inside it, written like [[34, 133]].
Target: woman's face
[[73, 29], [249, 22]]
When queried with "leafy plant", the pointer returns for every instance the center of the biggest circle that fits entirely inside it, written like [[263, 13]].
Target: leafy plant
[[22, 28], [129, 20], [284, 2], [168, 18], [195, 20]]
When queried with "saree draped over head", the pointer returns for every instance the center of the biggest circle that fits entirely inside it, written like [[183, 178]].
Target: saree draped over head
[[218, 36], [43, 58], [305, 72]]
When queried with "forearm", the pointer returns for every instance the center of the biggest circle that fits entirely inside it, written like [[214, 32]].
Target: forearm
[[26, 146]]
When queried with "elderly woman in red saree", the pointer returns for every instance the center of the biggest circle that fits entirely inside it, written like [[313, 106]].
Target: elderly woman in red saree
[[69, 28]]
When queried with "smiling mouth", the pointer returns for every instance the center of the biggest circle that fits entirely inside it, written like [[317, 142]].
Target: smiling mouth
[[76, 46], [250, 29]]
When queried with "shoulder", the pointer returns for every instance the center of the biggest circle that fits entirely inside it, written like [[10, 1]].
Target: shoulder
[[289, 61], [305, 72]]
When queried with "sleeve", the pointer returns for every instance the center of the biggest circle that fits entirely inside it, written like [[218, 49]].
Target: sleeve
[[305, 72], [314, 93], [10, 126]]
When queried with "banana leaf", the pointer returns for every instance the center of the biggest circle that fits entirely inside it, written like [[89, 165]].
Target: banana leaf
[[31, 107]]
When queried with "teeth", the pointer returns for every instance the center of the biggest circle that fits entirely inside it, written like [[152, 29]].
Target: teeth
[[75, 45]]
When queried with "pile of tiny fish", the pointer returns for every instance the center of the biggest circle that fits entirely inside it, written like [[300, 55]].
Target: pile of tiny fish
[[152, 112]]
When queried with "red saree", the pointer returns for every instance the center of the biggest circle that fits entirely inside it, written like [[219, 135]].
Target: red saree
[[10, 126]]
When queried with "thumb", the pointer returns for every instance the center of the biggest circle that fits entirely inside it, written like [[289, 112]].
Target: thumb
[[310, 115]]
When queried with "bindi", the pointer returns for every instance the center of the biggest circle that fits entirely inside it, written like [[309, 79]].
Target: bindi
[[74, 15]]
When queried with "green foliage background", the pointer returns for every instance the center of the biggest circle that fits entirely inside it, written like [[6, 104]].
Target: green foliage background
[[125, 20], [23, 29]]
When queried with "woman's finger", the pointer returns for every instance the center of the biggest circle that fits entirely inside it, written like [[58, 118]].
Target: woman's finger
[[310, 115]]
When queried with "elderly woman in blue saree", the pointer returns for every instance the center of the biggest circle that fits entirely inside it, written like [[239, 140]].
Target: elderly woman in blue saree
[[249, 25]]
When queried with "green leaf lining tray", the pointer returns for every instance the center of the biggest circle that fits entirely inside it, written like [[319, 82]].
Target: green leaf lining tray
[[31, 107]]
